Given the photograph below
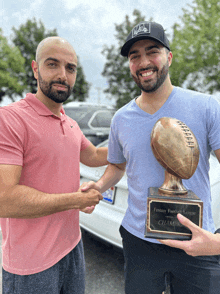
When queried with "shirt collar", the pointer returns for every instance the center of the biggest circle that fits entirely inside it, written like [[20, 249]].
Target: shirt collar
[[38, 106]]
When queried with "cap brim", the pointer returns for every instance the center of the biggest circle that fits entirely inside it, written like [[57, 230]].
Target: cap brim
[[126, 47]]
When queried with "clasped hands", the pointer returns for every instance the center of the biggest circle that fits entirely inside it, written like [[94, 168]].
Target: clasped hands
[[84, 187]]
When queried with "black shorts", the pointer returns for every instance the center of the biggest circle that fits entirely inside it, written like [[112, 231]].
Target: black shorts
[[148, 264]]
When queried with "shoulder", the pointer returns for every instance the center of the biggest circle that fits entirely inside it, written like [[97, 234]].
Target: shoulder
[[14, 108], [9, 112], [14, 113], [16, 118], [125, 110], [195, 100], [190, 94]]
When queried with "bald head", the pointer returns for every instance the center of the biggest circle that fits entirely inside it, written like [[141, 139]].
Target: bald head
[[55, 69], [50, 42]]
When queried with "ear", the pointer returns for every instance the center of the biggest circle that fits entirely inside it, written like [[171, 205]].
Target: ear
[[34, 66], [170, 58]]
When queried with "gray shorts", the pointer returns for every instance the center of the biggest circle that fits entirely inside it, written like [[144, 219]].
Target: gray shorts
[[65, 277]]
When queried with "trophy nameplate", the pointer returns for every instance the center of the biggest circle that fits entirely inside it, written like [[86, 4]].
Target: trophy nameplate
[[176, 148]]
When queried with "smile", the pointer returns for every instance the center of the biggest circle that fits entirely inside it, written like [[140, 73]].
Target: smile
[[146, 74], [60, 87]]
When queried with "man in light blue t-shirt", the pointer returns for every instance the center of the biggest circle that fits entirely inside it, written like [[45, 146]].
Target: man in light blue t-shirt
[[150, 265]]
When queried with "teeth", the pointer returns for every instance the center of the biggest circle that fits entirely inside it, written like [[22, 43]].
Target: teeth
[[146, 74]]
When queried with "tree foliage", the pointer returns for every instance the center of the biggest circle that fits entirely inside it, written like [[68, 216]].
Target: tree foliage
[[26, 38], [11, 69], [195, 47], [81, 88], [116, 69]]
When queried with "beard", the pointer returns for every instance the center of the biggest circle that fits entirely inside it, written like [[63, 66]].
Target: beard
[[53, 94], [150, 86]]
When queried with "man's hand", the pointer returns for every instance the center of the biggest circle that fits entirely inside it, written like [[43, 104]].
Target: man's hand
[[88, 209], [85, 187], [90, 185], [202, 242], [111, 177]]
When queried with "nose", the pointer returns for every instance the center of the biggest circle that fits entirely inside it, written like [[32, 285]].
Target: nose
[[62, 74], [144, 61]]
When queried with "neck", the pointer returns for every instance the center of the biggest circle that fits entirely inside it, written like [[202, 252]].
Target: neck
[[152, 102], [50, 104]]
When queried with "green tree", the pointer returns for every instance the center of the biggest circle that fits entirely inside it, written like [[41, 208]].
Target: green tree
[[11, 70], [195, 47], [26, 38], [116, 69], [81, 88]]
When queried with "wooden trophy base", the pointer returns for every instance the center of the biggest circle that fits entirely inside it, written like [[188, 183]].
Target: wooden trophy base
[[162, 210]]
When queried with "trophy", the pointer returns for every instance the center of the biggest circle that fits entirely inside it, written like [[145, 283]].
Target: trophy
[[176, 149]]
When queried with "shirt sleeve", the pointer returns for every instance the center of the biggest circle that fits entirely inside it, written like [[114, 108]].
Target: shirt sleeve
[[84, 142], [213, 124], [115, 150], [11, 138]]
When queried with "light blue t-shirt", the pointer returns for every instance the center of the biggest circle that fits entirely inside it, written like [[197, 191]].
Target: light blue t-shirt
[[129, 141]]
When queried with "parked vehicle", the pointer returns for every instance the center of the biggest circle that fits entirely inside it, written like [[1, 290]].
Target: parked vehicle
[[105, 221], [93, 119]]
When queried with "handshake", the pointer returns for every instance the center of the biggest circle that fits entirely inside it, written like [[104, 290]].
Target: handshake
[[90, 195]]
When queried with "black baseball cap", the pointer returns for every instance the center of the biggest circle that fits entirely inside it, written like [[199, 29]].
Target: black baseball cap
[[145, 30]]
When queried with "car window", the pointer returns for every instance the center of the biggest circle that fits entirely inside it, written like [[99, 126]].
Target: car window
[[84, 119], [91, 117], [80, 115], [75, 113], [101, 119]]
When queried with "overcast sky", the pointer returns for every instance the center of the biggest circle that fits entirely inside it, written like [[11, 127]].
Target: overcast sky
[[88, 25]]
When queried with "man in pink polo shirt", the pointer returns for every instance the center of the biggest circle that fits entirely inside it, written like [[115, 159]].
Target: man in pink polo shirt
[[40, 198]]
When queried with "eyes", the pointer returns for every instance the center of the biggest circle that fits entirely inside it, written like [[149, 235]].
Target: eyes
[[150, 53], [55, 65], [71, 68]]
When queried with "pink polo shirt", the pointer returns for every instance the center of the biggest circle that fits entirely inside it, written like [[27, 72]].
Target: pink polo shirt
[[48, 148]]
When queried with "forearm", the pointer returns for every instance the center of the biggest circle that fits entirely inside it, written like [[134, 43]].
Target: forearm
[[102, 154], [93, 156], [25, 202], [213, 248], [100, 157], [111, 177]]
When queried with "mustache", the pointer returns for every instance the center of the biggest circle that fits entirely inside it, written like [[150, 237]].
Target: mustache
[[59, 82], [154, 68]]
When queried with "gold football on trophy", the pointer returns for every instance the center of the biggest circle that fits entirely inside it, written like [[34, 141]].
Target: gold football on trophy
[[175, 147]]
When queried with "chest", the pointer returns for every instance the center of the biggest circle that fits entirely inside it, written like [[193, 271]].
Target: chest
[[135, 135], [51, 138]]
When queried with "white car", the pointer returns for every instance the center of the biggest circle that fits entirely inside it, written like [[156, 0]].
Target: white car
[[93, 119], [106, 219]]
